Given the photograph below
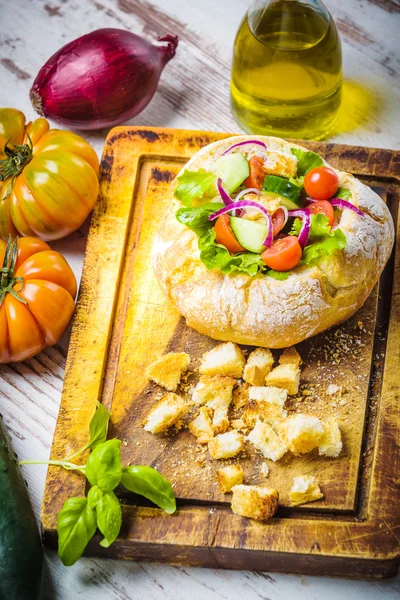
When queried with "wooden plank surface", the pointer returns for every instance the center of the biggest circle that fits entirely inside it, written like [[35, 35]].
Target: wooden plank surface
[[191, 95], [136, 168]]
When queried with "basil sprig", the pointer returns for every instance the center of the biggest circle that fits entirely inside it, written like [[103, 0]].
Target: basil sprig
[[80, 517]]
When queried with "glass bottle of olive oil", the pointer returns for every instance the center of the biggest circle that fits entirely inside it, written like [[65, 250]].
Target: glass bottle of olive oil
[[287, 70]]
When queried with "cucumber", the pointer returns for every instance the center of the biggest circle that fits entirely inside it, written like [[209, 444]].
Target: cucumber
[[249, 234], [288, 191], [233, 170], [21, 552]]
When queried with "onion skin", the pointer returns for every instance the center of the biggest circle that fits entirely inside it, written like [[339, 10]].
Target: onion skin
[[100, 79]]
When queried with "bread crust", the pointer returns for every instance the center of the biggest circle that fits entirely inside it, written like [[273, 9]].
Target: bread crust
[[260, 310]]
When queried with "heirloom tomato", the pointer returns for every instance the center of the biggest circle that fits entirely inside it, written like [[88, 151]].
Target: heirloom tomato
[[48, 178], [37, 293]]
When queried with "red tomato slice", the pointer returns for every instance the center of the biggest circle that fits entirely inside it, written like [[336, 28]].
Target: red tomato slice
[[225, 236], [284, 254], [257, 174], [324, 207], [278, 221], [321, 183]]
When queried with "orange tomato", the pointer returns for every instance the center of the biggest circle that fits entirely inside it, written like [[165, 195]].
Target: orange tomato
[[284, 254], [257, 174], [50, 178], [37, 293], [324, 207], [321, 183], [225, 236], [278, 221]]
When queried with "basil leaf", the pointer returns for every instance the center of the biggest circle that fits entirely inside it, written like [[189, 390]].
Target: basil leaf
[[109, 518], [151, 484], [343, 193], [196, 218], [306, 160], [76, 525], [280, 275], [98, 426], [103, 467], [195, 185], [94, 496]]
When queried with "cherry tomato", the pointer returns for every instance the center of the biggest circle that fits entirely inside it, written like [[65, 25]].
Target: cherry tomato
[[36, 314], [257, 174], [324, 207], [225, 236], [321, 183], [284, 254], [278, 221]]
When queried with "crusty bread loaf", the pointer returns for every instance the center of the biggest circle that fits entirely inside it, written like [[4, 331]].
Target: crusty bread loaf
[[260, 310]]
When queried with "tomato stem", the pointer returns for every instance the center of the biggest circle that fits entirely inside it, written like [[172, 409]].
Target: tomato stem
[[7, 279], [16, 160]]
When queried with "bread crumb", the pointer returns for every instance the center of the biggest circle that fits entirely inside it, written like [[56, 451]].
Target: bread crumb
[[285, 376], [225, 359], [165, 413], [333, 389], [201, 426], [264, 469], [255, 502], [241, 395], [229, 476], [301, 433], [267, 441], [304, 489], [226, 445], [330, 443], [263, 411], [290, 356], [167, 370], [216, 392], [258, 365]]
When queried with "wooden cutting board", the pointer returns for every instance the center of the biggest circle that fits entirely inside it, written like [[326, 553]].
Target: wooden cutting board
[[123, 322]]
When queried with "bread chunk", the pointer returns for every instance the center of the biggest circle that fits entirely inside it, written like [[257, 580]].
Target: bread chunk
[[216, 393], [286, 377], [255, 502], [226, 445], [263, 411], [270, 394], [241, 395], [290, 356], [267, 441], [229, 476], [165, 413], [331, 442], [279, 163], [224, 359], [304, 489], [301, 433], [167, 370], [201, 426], [258, 366]]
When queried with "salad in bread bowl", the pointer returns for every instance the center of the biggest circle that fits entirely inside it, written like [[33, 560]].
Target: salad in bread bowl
[[265, 244]]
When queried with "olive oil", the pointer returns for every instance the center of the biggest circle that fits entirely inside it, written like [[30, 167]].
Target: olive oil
[[287, 70]]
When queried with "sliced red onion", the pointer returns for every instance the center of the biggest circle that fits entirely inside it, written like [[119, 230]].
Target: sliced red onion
[[340, 203], [224, 194], [305, 215], [257, 142], [247, 191], [309, 200], [286, 213], [244, 204]]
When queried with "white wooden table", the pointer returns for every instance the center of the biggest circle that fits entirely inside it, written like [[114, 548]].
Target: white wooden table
[[194, 93]]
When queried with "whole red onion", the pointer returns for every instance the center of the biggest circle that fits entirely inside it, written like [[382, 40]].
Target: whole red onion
[[100, 79]]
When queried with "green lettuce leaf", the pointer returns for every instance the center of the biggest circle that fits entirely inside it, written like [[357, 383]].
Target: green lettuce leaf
[[343, 193], [307, 160], [280, 275], [195, 185], [324, 241], [196, 218], [216, 256]]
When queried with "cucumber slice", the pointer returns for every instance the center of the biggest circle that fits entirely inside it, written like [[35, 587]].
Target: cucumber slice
[[249, 234], [288, 191], [233, 169]]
